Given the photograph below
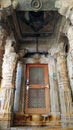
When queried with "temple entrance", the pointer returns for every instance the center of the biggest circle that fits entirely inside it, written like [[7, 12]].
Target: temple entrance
[[37, 89]]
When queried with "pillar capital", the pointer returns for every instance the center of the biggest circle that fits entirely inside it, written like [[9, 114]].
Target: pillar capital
[[61, 50], [8, 3]]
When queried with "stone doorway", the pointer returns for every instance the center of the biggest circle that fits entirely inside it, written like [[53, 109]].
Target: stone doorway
[[37, 89]]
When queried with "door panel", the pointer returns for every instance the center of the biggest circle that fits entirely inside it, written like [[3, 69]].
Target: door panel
[[36, 75], [37, 89]]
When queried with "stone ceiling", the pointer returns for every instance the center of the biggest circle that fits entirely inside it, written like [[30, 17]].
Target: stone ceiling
[[29, 5], [11, 8]]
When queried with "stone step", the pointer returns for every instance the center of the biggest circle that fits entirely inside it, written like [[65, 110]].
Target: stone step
[[38, 128]]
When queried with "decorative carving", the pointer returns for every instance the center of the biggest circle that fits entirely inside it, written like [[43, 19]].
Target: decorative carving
[[5, 3], [3, 31], [3, 35], [64, 88], [70, 37], [26, 5], [8, 74], [36, 4], [70, 55], [64, 7], [7, 100]]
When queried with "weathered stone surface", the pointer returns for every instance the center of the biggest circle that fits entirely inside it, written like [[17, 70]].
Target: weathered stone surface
[[71, 16], [70, 55], [70, 70], [3, 35], [5, 3], [64, 6], [57, 72], [8, 75], [64, 89]]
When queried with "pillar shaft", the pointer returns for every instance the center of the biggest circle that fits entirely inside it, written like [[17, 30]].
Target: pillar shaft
[[70, 59], [64, 89], [3, 35], [8, 79], [70, 56]]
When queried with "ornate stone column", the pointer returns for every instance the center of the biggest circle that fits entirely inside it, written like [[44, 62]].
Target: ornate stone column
[[3, 36], [8, 81], [64, 90], [65, 8], [70, 56]]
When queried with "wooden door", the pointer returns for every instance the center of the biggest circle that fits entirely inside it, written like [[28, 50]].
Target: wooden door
[[37, 89]]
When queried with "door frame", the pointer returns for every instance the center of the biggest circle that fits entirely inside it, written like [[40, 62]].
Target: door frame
[[45, 86]]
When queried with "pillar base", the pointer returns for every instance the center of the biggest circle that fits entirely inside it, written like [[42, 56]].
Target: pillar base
[[35, 120], [5, 121], [4, 125]]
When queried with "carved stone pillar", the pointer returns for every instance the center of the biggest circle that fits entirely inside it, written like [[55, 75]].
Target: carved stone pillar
[[70, 56], [65, 8], [8, 81], [64, 90], [3, 35]]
